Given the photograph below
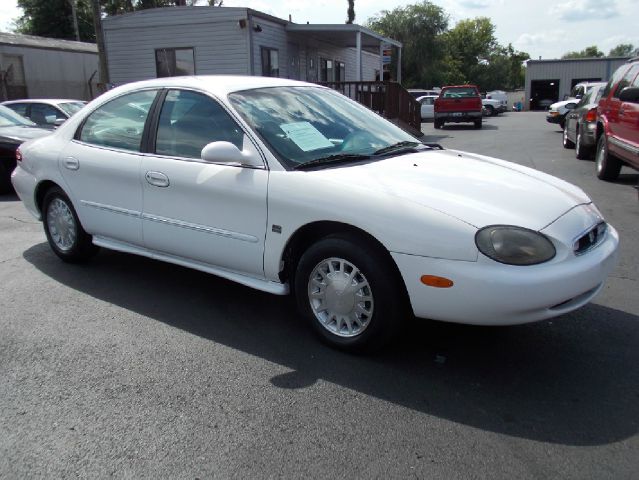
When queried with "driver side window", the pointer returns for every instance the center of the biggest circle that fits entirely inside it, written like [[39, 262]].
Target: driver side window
[[120, 122], [189, 121]]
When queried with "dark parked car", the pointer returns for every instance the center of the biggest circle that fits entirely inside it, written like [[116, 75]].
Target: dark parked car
[[14, 130], [46, 112], [618, 122], [580, 128]]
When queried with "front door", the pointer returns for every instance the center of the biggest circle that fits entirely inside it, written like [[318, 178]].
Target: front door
[[207, 212], [101, 167], [311, 65], [293, 61]]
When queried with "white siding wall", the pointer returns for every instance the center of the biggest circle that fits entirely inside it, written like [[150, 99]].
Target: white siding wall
[[56, 73], [220, 45], [273, 35]]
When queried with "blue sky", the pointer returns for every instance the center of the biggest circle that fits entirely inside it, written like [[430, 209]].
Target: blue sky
[[543, 28]]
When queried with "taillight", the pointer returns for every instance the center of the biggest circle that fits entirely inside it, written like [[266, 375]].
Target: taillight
[[18, 155], [591, 116]]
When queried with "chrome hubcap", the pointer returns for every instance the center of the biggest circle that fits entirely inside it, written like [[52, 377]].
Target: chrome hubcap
[[578, 146], [340, 297], [565, 136], [61, 224]]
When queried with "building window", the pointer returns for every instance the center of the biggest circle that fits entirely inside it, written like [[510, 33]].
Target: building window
[[340, 71], [171, 62], [326, 70], [270, 62]]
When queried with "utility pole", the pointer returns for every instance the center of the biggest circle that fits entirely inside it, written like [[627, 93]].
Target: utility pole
[[74, 15], [99, 38]]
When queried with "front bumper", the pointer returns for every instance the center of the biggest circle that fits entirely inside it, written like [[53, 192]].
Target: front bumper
[[486, 292]]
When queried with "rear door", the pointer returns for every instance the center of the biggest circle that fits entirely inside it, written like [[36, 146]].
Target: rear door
[[101, 167], [616, 112]]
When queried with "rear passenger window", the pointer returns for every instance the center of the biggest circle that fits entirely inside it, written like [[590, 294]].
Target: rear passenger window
[[613, 80], [19, 108], [189, 121], [626, 80], [120, 122]]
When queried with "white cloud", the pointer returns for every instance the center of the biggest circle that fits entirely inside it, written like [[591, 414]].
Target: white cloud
[[539, 39], [474, 4], [578, 10]]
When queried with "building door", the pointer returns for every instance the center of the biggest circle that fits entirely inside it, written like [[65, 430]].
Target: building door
[[311, 65], [13, 77], [293, 61], [543, 93]]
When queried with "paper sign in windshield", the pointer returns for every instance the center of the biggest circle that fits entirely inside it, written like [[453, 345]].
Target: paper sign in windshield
[[306, 136]]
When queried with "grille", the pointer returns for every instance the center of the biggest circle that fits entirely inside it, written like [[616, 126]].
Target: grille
[[590, 239]]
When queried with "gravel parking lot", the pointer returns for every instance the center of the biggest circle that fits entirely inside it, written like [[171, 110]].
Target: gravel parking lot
[[131, 368]]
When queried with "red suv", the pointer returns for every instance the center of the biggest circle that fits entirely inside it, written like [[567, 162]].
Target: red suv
[[618, 122]]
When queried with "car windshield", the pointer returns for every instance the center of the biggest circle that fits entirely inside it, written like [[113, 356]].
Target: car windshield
[[308, 124], [9, 118], [71, 107]]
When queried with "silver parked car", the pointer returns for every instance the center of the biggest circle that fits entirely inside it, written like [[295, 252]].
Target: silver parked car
[[46, 112], [580, 126]]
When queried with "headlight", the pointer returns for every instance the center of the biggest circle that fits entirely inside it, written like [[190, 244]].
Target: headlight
[[514, 245]]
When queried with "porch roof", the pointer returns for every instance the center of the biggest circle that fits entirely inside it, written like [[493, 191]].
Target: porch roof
[[343, 34]]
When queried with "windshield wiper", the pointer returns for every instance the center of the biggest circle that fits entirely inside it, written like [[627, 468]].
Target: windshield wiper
[[332, 159], [405, 146]]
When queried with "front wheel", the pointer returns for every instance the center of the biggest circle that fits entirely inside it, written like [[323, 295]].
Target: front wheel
[[67, 238], [349, 293], [608, 166]]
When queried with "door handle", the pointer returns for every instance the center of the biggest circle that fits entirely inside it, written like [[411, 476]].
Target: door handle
[[157, 179], [622, 111], [71, 163]]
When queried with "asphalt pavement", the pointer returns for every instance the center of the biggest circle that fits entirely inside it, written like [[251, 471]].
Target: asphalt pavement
[[131, 368]]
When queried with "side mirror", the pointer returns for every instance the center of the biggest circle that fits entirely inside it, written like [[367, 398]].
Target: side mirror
[[629, 94], [59, 121], [226, 152]]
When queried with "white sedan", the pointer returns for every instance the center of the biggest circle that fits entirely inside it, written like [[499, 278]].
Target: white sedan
[[286, 187]]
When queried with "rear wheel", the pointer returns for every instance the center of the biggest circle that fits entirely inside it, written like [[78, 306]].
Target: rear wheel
[[478, 123], [608, 166], [438, 123], [348, 291], [566, 141], [67, 238], [5, 180], [581, 152]]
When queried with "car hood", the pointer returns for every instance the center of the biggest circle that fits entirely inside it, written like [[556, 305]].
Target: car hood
[[20, 134], [475, 189]]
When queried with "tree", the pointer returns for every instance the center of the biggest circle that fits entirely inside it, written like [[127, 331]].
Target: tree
[[351, 11], [473, 43], [419, 27], [588, 52], [624, 50]]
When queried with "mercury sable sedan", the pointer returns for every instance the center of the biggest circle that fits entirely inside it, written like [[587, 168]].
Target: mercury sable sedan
[[289, 187]]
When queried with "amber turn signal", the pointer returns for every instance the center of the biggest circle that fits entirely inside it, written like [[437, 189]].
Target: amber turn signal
[[437, 282]]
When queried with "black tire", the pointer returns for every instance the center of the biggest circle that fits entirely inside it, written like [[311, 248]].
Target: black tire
[[478, 123], [608, 166], [562, 122], [581, 152], [567, 143], [5, 180], [438, 124], [388, 300], [490, 110], [81, 247]]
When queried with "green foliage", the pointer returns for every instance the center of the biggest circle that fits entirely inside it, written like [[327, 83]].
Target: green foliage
[[588, 52], [420, 28], [434, 55], [53, 18], [624, 50]]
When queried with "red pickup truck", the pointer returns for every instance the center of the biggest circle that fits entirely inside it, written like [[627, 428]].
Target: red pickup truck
[[458, 103], [618, 122]]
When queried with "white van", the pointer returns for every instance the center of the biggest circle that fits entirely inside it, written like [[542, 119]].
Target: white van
[[501, 96]]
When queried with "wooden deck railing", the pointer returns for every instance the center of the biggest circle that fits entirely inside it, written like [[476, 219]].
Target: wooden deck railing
[[388, 99]]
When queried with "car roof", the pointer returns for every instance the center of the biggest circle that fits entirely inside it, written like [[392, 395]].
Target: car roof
[[426, 96], [218, 84], [49, 101]]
